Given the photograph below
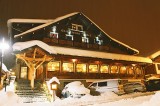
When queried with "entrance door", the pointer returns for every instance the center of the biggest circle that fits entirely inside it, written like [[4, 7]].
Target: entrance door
[[23, 74], [39, 73]]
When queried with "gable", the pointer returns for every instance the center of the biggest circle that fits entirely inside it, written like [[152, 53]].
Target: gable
[[78, 24]]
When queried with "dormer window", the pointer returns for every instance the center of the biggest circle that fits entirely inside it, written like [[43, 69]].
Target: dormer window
[[98, 40], [77, 27], [85, 39], [53, 33], [68, 35]]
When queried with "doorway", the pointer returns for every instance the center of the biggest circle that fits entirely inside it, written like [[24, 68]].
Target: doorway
[[23, 74]]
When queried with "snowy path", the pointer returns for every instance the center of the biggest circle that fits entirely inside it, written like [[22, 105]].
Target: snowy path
[[126, 102], [130, 101], [104, 98], [125, 97]]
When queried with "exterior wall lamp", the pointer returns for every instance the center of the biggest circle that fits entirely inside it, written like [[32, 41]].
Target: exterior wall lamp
[[54, 88]]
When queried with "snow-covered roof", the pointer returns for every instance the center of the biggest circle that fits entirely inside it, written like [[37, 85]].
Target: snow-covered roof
[[46, 24], [63, 17], [78, 52], [103, 55], [10, 21], [24, 45], [154, 55], [54, 79]]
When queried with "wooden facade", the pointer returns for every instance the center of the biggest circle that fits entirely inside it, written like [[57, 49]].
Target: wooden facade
[[78, 32]]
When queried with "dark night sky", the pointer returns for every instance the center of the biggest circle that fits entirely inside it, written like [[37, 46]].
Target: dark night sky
[[133, 22]]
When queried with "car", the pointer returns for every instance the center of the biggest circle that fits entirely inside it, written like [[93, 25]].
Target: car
[[75, 89], [113, 85], [152, 84], [134, 87]]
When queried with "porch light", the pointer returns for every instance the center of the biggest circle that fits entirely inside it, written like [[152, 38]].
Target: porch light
[[74, 60], [53, 86]]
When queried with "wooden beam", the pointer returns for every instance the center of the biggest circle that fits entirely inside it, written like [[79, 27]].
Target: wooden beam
[[33, 59], [44, 58], [27, 63], [34, 54]]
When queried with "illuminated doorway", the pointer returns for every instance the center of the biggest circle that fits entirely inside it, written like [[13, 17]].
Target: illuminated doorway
[[23, 74]]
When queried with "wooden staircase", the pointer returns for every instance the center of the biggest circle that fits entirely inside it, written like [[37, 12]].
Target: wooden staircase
[[29, 95]]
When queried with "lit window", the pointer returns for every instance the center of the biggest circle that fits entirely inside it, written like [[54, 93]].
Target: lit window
[[53, 66], [77, 27], [130, 70], [98, 41], [123, 70], [114, 69], [69, 36], [68, 67], [138, 70], [93, 68], [53, 33], [85, 39], [81, 68], [104, 69]]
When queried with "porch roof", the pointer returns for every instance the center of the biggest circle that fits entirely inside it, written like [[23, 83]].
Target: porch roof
[[102, 55], [79, 52]]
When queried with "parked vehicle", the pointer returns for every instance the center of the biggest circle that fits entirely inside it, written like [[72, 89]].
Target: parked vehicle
[[134, 87], [152, 84], [74, 89], [113, 85]]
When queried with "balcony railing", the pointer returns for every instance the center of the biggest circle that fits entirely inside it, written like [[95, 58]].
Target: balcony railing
[[75, 44]]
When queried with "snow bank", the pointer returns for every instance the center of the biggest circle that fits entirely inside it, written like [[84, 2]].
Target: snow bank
[[76, 87], [154, 101], [8, 98]]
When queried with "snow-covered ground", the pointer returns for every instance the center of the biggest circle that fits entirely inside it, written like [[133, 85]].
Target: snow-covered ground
[[106, 99]]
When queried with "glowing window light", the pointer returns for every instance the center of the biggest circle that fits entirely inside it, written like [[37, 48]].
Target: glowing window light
[[81, 68], [104, 69], [114, 69], [93, 68], [123, 70]]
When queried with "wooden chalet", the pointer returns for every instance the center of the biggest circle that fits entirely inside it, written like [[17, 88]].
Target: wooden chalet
[[71, 47]]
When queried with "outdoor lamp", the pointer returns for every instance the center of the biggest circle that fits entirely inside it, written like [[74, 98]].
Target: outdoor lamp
[[54, 88], [53, 85], [3, 45]]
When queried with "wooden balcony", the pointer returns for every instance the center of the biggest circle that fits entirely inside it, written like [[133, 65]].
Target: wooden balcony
[[80, 45], [77, 44], [66, 43], [103, 48]]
